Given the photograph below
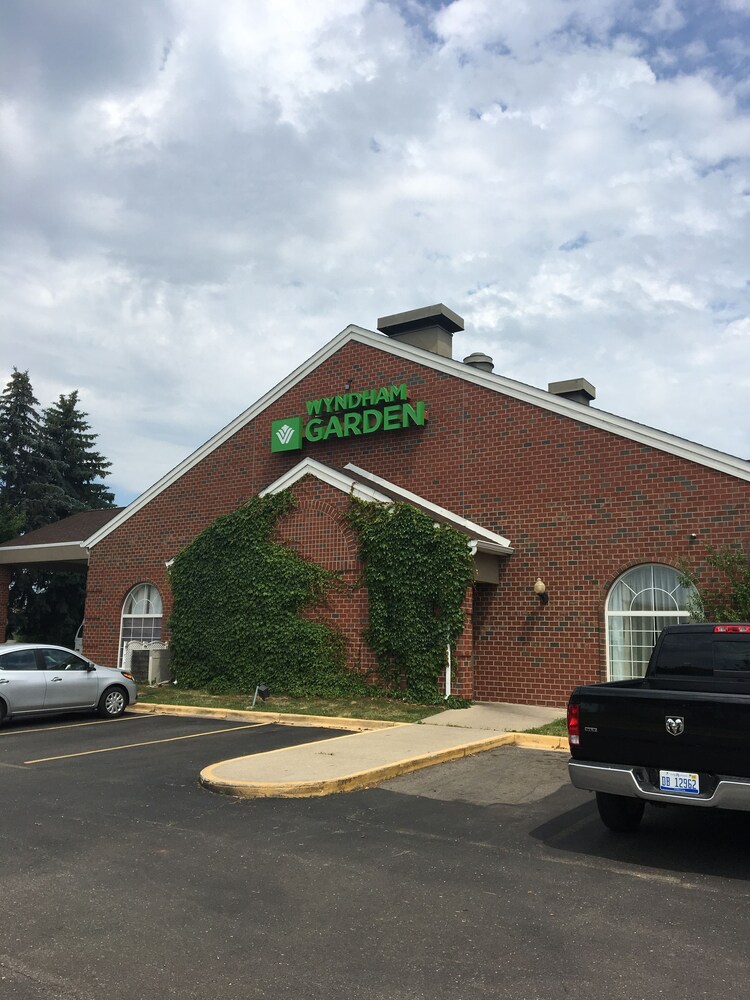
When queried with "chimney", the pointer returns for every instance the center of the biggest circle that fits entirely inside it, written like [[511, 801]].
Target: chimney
[[482, 361], [576, 389], [430, 328]]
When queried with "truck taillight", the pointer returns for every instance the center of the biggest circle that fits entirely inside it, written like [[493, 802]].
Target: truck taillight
[[732, 628], [574, 725]]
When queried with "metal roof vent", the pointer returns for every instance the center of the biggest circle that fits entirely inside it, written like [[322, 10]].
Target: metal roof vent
[[430, 328], [576, 389], [482, 361]]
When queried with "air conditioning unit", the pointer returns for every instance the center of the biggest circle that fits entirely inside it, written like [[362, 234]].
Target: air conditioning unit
[[148, 662], [158, 667]]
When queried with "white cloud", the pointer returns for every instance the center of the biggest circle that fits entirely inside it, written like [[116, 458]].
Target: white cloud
[[195, 205]]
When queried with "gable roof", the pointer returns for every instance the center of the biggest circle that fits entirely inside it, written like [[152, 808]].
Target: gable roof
[[367, 486], [630, 429]]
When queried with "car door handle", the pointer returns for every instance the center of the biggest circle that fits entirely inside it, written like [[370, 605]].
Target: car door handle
[[56, 679], [4, 680]]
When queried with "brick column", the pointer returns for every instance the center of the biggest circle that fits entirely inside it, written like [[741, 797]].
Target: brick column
[[5, 572]]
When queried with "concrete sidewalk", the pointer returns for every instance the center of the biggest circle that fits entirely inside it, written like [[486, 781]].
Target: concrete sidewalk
[[498, 717], [371, 755]]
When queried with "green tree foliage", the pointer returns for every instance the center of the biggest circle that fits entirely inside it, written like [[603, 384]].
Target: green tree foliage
[[416, 573], [69, 445], [30, 479], [722, 586], [48, 470], [11, 523], [236, 616]]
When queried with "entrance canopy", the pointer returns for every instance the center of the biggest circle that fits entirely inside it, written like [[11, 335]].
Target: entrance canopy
[[61, 545]]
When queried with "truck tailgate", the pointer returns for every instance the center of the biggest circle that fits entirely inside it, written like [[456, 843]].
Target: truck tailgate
[[627, 723]]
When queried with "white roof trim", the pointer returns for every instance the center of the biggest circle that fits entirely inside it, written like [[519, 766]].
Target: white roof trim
[[640, 433], [57, 551], [479, 533], [308, 466], [223, 435], [487, 541]]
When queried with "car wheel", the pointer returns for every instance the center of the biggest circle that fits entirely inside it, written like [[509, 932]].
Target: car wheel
[[2, 713], [112, 703], [619, 812]]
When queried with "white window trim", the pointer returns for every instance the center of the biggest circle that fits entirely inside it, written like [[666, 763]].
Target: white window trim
[[676, 613], [123, 616]]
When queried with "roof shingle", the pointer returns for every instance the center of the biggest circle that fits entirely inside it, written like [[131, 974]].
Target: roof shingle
[[76, 528]]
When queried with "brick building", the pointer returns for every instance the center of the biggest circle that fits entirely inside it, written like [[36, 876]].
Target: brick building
[[552, 494]]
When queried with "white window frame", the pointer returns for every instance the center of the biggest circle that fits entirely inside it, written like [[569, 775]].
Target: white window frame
[[141, 642], [683, 615]]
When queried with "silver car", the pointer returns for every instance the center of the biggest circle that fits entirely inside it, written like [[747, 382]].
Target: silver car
[[45, 680]]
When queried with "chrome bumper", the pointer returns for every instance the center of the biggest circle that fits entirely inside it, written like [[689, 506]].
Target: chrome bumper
[[620, 779]]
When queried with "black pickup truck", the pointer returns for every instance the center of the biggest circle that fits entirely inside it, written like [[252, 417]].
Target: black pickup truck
[[679, 735]]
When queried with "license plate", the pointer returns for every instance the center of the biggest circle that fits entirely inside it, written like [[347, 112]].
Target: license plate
[[679, 781]]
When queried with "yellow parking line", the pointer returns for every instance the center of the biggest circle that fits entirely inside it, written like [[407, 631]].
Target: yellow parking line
[[148, 743], [75, 725]]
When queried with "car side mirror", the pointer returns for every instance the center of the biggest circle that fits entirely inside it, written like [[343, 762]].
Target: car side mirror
[[90, 668]]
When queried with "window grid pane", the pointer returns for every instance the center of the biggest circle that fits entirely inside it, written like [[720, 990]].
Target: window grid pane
[[640, 605], [141, 623]]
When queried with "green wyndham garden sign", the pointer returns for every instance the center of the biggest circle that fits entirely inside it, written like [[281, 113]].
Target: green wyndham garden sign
[[383, 409]]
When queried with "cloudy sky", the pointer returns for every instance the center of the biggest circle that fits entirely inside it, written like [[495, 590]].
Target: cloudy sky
[[196, 196]]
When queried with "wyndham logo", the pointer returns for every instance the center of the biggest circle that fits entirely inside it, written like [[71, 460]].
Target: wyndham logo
[[286, 435], [354, 413]]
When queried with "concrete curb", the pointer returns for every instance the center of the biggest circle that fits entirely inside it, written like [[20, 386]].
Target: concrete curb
[[346, 783], [238, 715], [535, 741], [370, 776]]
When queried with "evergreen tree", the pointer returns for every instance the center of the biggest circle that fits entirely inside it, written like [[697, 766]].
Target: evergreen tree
[[70, 446], [11, 522], [19, 441], [30, 479], [48, 470]]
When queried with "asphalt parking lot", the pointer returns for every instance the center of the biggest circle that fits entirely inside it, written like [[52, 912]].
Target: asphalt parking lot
[[488, 877]]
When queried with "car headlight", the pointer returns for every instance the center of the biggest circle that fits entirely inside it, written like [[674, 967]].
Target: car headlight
[[126, 674]]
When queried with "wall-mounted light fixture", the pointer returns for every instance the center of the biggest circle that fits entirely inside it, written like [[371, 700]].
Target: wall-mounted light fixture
[[541, 591]]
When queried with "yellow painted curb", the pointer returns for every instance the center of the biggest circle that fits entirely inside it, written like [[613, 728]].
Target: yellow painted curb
[[348, 783], [535, 741], [288, 719]]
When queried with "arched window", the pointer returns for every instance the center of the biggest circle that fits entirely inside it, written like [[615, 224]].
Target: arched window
[[141, 621], [639, 605]]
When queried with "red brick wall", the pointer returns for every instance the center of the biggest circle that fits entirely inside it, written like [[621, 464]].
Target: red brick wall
[[318, 531], [579, 505]]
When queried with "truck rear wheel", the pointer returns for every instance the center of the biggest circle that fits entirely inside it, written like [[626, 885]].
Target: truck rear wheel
[[619, 812]]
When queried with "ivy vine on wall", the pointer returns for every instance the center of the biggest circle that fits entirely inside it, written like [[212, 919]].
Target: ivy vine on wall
[[416, 573], [236, 616], [238, 595]]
